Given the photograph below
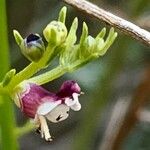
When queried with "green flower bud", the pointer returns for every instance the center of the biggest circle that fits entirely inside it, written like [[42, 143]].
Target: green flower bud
[[33, 47], [55, 32]]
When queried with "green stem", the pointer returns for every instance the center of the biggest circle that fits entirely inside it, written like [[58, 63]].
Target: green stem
[[7, 121], [33, 68], [59, 71], [19, 131], [49, 76]]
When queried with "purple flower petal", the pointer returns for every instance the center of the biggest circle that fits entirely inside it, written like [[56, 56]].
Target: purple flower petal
[[34, 97], [68, 88]]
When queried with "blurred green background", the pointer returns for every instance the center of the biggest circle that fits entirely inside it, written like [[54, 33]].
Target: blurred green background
[[104, 81]]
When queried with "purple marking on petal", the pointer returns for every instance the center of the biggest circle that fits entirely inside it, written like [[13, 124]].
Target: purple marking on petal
[[68, 88], [34, 98]]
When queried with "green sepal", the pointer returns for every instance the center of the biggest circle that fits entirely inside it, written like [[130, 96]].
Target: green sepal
[[82, 40], [8, 77], [68, 51], [53, 40], [72, 37], [110, 39], [18, 37], [62, 15], [84, 33], [101, 34], [90, 42]]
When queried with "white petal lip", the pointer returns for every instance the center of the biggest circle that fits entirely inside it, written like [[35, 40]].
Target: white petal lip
[[61, 111], [46, 107], [76, 107], [75, 97], [73, 103], [69, 102]]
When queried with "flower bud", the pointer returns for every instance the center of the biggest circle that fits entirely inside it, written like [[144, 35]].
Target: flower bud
[[55, 32], [33, 47]]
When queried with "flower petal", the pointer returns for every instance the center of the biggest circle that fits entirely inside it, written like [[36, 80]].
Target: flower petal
[[46, 107], [76, 106], [59, 113]]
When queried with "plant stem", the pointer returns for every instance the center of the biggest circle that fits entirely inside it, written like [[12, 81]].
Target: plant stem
[[59, 71], [49, 76], [32, 68], [19, 131], [7, 121]]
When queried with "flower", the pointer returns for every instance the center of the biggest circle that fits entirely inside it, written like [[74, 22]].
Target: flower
[[33, 47], [40, 104]]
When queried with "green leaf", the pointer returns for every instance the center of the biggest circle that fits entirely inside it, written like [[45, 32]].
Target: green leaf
[[62, 15]]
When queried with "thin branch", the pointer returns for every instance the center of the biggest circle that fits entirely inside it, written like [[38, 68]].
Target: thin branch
[[113, 20], [139, 100], [117, 117], [124, 119]]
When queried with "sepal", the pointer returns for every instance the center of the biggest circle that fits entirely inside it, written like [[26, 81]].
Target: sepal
[[18, 37], [8, 77]]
